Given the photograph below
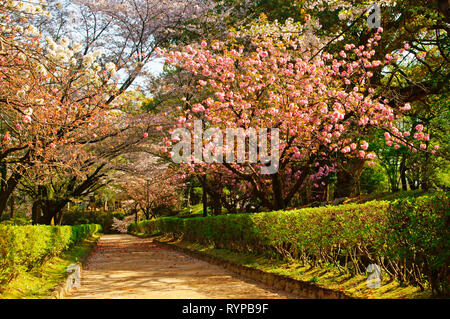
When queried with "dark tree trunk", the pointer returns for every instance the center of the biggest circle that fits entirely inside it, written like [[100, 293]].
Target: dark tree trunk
[[394, 186], [277, 192], [36, 211], [412, 184], [2, 180], [7, 189], [135, 211], [11, 206], [347, 180], [59, 216], [217, 205], [231, 207], [147, 211], [50, 209]]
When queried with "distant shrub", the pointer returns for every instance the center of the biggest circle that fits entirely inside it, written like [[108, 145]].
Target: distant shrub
[[17, 221], [105, 219], [24, 247], [408, 238]]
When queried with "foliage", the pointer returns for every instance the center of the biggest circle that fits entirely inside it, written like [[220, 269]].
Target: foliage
[[41, 282], [372, 180], [407, 238], [23, 248], [19, 221], [420, 236]]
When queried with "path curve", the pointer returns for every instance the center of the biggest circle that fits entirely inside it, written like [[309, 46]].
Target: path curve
[[127, 267]]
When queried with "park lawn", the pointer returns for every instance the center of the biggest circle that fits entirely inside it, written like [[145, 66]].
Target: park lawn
[[196, 211], [40, 282], [328, 277]]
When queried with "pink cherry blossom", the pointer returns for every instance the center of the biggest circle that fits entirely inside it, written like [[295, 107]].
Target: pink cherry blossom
[[365, 145], [26, 119], [422, 55]]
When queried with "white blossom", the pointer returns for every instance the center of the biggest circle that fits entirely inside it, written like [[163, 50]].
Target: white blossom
[[110, 67]]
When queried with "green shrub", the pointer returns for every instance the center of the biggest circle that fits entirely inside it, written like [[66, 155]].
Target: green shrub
[[24, 247], [16, 221], [105, 219], [408, 238], [420, 237]]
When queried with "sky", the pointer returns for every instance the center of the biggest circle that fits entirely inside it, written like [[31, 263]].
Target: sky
[[156, 66]]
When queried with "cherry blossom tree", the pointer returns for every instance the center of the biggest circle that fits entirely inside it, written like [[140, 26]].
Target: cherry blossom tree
[[154, 193], [322, 104], [52, 100], [63, 100]]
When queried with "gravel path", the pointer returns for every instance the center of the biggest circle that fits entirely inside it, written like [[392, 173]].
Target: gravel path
[[124, 266]]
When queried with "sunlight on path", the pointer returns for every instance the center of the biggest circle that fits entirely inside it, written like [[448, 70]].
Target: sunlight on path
[[123, 266]]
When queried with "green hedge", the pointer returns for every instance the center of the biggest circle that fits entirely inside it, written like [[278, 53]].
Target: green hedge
[[408, 238], [24, 247]]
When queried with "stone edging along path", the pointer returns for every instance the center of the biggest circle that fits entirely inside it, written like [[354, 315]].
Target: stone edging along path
[[63, 288], [276, 281]]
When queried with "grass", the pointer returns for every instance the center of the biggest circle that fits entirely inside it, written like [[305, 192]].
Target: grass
[[40, 282], [328, 277], [196, 210], [388, 196]]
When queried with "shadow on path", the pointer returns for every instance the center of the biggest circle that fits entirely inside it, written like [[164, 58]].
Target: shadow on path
[[123, 267]]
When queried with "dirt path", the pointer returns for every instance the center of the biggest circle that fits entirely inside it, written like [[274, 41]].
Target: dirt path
[[123, 266]]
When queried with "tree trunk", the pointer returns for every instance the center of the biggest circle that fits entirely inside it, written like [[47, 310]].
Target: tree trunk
[[59, 216], [147, 212], [394, 185], [36, 211], [277, 192], [50, 209], [11, 206], [347, 180], [7, 189], [403, 173], [217, 204], [2, 180], [412, 184]]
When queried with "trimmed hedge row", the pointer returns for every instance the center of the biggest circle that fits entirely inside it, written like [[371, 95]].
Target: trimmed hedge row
[[24, 247], [407, 238]]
